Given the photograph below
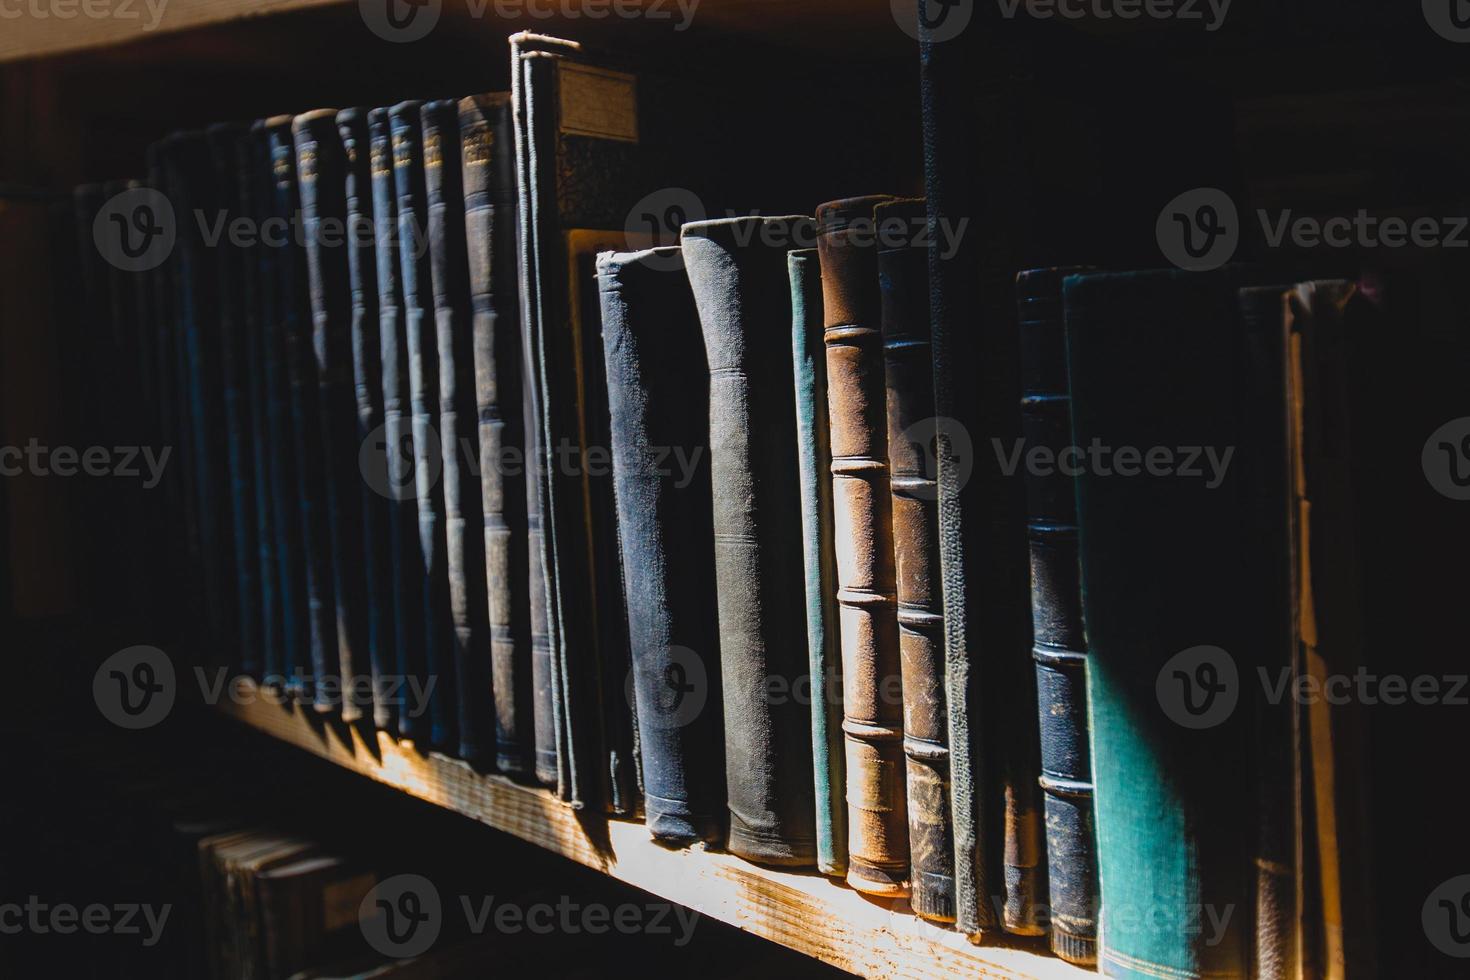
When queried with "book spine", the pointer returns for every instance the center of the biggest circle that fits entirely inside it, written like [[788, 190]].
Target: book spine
[[423, 391], [545, 318], [252, 193], [737, 269], [303, 426], [321, 172], [1059, 647], [545, 705], [862, 506], [228, 262], [903, 277], [458, 429], [824, 655], [367, 378], [282, 294], [658, 394], [487, 147], [405, 578], [191, 188], [969, 90]]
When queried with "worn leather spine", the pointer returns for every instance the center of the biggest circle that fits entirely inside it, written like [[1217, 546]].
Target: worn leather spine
[[658, 396], [488, 152], [903, 279], [251, 171], [458, 430], [824, 654], [423, 390], [737, 268], [406, 575], [877, 810], [321, 170], [367, 385], [303, 537], [1059, 647]]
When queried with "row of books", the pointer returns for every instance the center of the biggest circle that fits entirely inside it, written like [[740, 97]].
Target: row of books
[[792, 620]]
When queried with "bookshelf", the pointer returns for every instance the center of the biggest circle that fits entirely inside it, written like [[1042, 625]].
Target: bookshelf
[[809, 913]]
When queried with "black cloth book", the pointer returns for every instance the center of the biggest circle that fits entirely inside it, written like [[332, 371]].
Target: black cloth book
[[738, 270], [658, 393]]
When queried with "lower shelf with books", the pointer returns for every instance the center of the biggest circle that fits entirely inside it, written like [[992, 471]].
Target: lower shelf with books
[[809, 913]]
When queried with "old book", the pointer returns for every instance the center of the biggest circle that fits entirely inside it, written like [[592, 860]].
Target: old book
[[423, 391], [487, 143], [576, 133], [862, 505], [1000, 198], [405, 570], [824, 655], [1161, 368], [1059, 646], [903, 281], [658, 395], [367, 379], [321, 170], [308, 913], [305, 426], [299, 547], [464, 522], [737, 268], [252, 171], [189, 174], [229, 261]]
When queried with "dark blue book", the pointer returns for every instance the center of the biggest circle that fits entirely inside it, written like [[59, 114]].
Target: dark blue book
[[423, 390], [275, 295], [367, 377], [192, 186], [406, 571], [487, 150], [321, 172], [230, 260], [304, 431], [252, 195], [1059, 647], [459, 439]]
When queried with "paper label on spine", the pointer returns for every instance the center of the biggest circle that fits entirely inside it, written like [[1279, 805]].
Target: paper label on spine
[[597, 102]]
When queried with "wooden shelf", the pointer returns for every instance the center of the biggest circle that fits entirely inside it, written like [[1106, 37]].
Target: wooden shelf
[[809, 913]]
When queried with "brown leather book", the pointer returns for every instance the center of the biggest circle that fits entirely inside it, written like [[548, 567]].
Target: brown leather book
[[878, 847], [903, 275]]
